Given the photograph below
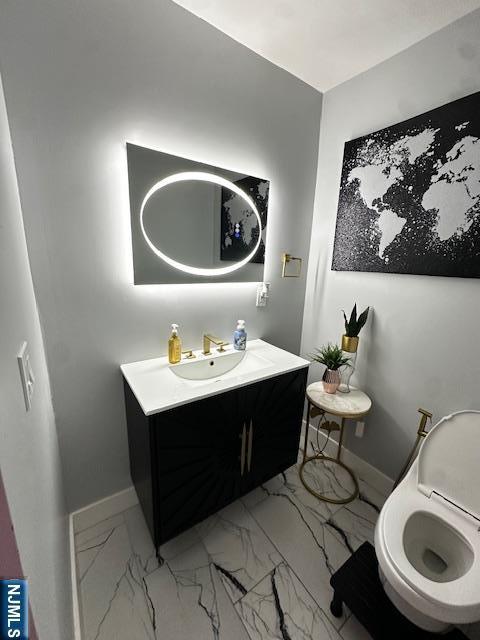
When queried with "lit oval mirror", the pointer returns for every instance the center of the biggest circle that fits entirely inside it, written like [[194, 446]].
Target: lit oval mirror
[[195, 225], [198, 222]]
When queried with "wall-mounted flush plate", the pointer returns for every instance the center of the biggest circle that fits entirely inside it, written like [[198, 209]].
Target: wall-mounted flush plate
[[263, 293], [26, 374]]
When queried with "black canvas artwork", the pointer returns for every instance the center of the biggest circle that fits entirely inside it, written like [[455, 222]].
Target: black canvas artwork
[[239, 225], [410, 196]]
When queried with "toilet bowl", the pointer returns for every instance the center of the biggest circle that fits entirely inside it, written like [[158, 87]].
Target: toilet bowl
[[427, 537]]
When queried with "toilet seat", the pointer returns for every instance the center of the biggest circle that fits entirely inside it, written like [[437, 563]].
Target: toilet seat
[[455, 599], [440, 487], [449, 462]]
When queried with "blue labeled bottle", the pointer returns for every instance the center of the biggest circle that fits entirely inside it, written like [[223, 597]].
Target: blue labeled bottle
[[240, 336]]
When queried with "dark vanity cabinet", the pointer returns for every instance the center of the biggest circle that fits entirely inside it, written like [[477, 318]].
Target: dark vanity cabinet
[[190, 461]]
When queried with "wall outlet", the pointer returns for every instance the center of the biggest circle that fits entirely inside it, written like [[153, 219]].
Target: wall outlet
[[359, 429], [26, 374], [263, 293]]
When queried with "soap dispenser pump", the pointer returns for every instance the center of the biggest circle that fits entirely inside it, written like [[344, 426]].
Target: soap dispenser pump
[[240, 336], [174, 346]]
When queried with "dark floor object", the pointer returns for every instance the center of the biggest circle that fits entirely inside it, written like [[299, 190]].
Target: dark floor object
[[357, 585]]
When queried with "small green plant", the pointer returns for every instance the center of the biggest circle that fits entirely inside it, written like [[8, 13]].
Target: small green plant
[[331, 356], [354, 325]]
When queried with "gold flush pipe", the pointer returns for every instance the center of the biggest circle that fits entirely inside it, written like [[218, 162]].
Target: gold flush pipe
[[421, 433], [426, 415]]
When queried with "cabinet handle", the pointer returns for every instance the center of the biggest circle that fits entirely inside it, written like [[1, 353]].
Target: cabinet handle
[[244, 444], [250, 445]]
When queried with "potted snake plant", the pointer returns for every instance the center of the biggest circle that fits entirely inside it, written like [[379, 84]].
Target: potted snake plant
[[332, 356], [350, 339], [353, 326]]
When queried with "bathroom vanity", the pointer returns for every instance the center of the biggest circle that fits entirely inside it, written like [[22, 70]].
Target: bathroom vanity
[[196, 444]]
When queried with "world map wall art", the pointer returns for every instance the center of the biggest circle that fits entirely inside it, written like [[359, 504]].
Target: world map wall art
[[410, 196], [239, 227]]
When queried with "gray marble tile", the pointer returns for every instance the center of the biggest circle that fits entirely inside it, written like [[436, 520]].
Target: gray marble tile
[[238, 548], [105, 526], [289, 486], [140, 540], [111, 590], [280, 607], [261, 493], [329, 480], [298, 529], [142, 543], [367, 489], [88, 547], [217, 577], [353, 524], [333, 481], [371, 495], [325, 478], [189, 600]]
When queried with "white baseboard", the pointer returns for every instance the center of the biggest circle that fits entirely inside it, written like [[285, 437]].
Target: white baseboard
[[87, 517], [77, 632], [103, 509], [366, 471]]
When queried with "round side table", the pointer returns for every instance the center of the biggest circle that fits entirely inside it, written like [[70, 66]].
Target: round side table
[[353, 405]]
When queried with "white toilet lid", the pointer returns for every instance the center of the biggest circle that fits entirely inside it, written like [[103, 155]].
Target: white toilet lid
[[449, 461]]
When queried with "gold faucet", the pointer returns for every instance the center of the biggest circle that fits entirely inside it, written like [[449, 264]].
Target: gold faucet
[[208, 339]]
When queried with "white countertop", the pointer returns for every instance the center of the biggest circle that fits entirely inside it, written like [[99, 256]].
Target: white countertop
[[157, 388]]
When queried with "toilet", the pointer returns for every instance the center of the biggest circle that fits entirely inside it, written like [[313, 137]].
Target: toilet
[[427, 537]]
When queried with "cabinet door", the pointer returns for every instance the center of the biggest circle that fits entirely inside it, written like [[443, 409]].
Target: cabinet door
[[198, 458], [275, 407]]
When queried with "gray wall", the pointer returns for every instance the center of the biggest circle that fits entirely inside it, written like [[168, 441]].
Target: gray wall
[[29, 455], [81, 78], [420, 347]]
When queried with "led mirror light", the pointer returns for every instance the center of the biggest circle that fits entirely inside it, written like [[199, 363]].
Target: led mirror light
[[200, 176]]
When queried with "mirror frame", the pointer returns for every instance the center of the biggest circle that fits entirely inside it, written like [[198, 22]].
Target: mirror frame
[[149, 170]]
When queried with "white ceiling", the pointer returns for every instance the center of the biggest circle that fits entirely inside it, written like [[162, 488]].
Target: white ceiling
[[325, 42]]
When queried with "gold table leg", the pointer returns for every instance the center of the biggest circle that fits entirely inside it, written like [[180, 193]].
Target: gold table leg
[[340, 439], [323, 458]]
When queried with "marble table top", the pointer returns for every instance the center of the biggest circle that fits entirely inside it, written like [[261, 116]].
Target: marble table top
[[348, 405]]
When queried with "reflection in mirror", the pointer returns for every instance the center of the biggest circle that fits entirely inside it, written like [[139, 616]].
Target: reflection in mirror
[[180, 220], [192, 222], [240, 227]]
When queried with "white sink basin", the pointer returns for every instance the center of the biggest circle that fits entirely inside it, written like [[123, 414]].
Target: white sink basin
[[159, 386], [218, 364]]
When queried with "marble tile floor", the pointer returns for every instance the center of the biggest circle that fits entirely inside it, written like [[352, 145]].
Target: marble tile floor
[[257, 570]]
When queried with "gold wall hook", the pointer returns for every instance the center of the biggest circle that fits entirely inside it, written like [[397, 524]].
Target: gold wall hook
[[286, 259]]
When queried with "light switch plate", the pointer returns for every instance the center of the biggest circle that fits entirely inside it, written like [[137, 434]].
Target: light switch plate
[[26, 374]]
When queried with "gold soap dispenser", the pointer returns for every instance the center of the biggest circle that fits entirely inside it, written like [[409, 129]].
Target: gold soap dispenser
[[174, 346]]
